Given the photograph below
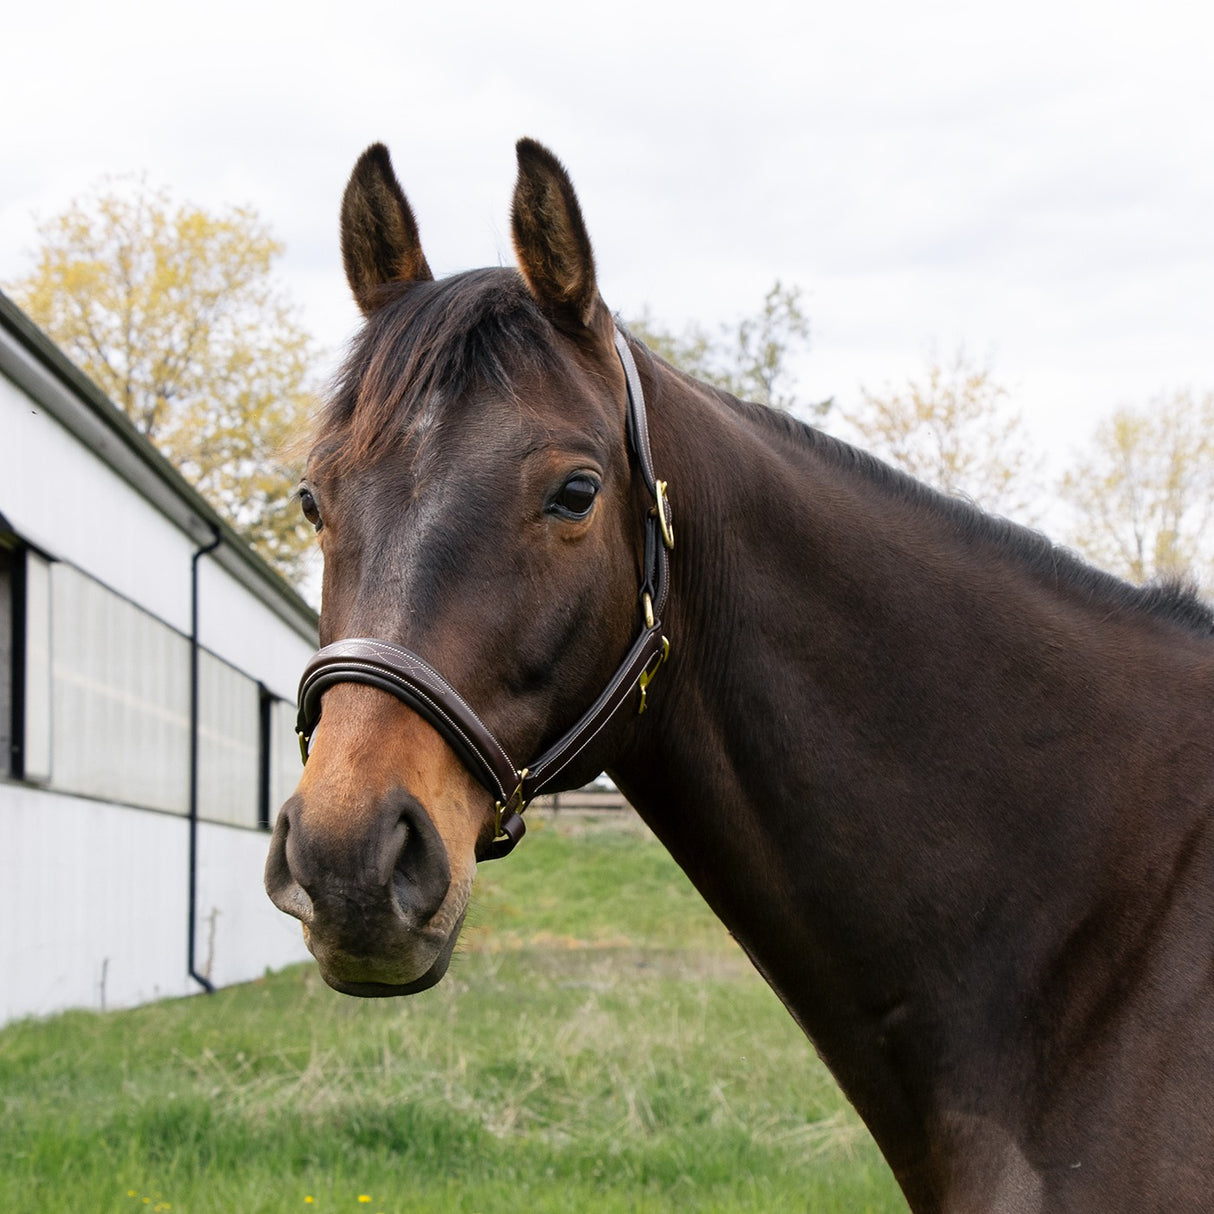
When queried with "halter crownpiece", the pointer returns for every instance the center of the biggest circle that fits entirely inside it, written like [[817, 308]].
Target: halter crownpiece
[[417, 684]]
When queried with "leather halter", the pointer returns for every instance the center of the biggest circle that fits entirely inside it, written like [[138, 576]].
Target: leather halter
[[416, 683]]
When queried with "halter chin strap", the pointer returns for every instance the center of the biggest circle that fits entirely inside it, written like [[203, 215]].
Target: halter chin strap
[[416, 683]]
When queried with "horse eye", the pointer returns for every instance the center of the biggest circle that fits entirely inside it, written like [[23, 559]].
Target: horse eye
[[576, 496], [311, 511]]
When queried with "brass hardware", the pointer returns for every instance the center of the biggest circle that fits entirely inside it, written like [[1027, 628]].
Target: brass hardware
[[663, 510], [647, 602], [303, 748], [512, 803], [647, 675]]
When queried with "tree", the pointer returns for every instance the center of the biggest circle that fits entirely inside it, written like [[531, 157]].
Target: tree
[[172, 311], [751, 359], [691, 351], [955, 431], [1144, 497]]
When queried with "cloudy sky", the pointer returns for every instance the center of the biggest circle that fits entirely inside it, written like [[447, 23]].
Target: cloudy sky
[[1034, 182]]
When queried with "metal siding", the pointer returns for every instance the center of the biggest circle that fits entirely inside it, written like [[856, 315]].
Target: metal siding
[[105, 527], [121, 704], [241, 933], [93, 893], [229, 743], [246, 633], [285, 764], [59, 495], [94, 909]]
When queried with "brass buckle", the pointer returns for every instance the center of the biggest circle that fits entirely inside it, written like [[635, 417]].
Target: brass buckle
[[512, 804], [303, 747], [647, 675], [663, 510]]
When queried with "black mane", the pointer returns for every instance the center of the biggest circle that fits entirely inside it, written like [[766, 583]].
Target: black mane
[[1174, 600]]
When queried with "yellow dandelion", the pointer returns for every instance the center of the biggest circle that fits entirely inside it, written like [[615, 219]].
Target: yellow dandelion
[[362, 1197]]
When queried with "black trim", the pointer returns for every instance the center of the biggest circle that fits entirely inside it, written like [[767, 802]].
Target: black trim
[[267, 700], [12, 588], [192, 917], [16, 756]]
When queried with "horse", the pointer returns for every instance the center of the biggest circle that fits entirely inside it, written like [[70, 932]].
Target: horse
[[948, 786]]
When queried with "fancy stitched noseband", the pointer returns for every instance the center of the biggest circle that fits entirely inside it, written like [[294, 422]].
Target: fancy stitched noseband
[[416, 683]]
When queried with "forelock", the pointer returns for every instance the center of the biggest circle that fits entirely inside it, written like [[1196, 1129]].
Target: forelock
[[435, 344]]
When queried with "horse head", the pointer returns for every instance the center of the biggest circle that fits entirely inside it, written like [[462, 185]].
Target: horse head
[[473, 494]]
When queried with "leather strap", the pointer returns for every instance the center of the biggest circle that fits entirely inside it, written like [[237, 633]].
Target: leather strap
[[416, 683], [394, 669], [655, 577]]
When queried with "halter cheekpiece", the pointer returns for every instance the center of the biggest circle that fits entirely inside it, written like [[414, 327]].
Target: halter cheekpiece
[[416, 683]]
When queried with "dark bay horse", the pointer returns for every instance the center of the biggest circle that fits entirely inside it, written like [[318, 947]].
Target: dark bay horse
[[950, 788]]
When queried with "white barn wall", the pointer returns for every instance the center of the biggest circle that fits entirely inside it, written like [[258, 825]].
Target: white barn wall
[[94, 914], [90, 905], [93, 893], [246, 633], [240, 932], [59, 496], [57, 493]]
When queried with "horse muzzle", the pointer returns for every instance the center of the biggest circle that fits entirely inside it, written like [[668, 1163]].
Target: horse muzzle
[[373, 891]]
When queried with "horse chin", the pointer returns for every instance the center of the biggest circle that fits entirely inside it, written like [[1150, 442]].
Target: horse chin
[[385, 990], [382, 977]]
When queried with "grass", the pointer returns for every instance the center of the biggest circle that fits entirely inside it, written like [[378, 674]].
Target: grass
[[599, 1045]]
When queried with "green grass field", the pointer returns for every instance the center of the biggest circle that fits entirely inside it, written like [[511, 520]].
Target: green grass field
[[599, 1044]]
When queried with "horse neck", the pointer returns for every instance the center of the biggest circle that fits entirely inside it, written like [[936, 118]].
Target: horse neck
[[881, 746]]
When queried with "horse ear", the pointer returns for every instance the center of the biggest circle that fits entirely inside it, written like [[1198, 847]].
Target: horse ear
[[550, 238], [379, 240]]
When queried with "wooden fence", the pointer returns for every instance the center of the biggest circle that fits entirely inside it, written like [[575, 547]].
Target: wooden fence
[[581, 800]]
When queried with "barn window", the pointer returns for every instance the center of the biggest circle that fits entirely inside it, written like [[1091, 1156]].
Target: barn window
[[280, 750], [121, 698], [229, 744], [95, 701], [120, 709]]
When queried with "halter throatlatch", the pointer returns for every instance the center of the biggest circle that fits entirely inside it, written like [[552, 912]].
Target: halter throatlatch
[[416, 683]]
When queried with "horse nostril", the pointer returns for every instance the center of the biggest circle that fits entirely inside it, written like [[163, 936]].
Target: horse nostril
[[421, 872], [395, 862], [284, 890]]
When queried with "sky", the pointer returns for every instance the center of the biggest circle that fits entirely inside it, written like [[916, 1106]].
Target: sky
[[1032, 183]]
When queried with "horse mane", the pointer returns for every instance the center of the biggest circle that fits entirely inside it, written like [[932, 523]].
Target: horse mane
[[1174, 600], [482, 329], [429, 341]]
